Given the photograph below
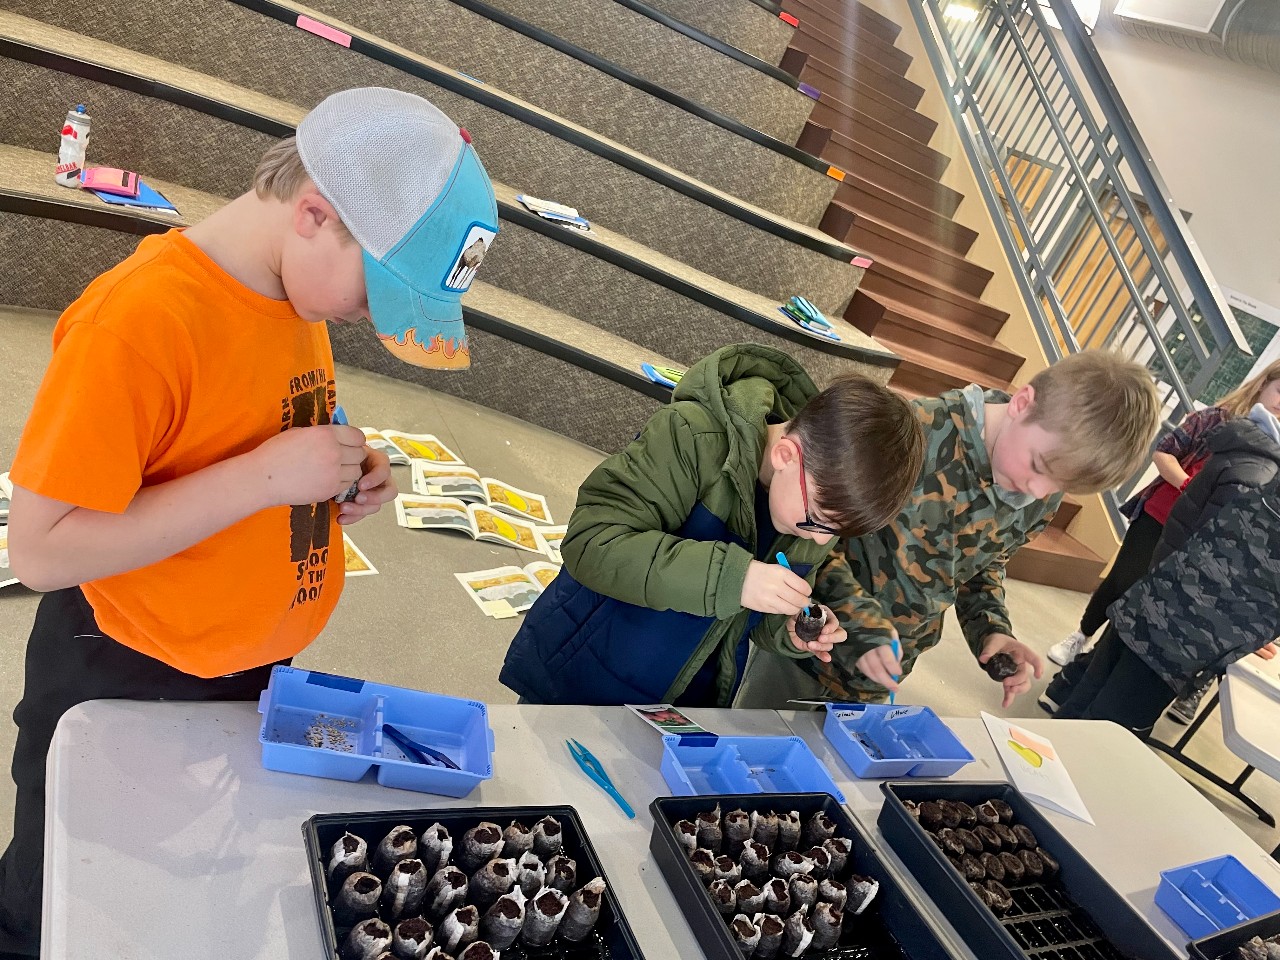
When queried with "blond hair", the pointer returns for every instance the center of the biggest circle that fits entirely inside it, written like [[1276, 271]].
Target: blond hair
[[280, 174], [1104, 410], [1240, 401]]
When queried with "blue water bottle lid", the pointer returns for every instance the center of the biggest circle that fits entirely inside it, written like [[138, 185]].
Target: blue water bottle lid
[[80, 108]]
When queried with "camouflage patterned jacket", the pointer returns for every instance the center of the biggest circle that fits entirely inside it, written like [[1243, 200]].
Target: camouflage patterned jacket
[[948, 546], [1213, 595]]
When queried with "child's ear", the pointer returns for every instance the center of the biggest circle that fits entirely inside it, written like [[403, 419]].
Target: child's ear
[[1023, 399], [783, 454], [311, 212]]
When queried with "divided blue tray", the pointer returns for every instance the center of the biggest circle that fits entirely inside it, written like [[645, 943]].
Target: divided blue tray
[[323, 725], [883, 740], [706, 764], [1212, 895]]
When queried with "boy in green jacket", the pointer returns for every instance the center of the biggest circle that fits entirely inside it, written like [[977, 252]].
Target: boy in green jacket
[[669, 559], [995, 469]]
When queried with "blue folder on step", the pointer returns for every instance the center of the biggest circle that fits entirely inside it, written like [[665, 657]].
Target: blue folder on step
[[147, 198]]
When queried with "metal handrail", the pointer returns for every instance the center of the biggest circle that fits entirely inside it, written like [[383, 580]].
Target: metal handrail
[[1089, 268]]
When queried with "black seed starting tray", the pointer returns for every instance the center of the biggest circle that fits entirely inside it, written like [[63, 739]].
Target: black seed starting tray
[[1074, 916], [896, 925], [612, 938], [1223, 944]]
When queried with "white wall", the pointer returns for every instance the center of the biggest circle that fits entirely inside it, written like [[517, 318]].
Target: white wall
[[1213, 129]]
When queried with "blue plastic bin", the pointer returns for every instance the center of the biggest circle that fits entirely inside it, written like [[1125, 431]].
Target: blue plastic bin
[[1213, 895], [327, 726], [702, 764], [883, 740]]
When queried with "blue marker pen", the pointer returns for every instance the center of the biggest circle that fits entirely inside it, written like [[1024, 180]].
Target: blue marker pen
[[784, 562], [340, 418], [897, 655]]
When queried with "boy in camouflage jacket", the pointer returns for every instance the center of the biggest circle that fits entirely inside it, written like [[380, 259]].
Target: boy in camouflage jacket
[[995, 469]]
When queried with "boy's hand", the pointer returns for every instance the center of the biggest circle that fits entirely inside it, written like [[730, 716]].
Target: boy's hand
[[376, 488], [1028, 661], [1267, 651], [879, 664], [309, 464], [770, 588], [832, 633]]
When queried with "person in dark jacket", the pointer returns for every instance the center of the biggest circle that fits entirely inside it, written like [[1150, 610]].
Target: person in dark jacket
[[1213, 594], [669, 559]]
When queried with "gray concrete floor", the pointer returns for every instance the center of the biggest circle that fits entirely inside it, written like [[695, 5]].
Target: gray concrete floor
[[412, 624]]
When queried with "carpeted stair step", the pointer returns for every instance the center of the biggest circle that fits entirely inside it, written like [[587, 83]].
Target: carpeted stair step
[[621, 285], [884, 241], [676, 56], [837, 86], [932, 296], [752, 27], [548, 156], [896, 324], [870, 199], [601, 97], [525, 356]]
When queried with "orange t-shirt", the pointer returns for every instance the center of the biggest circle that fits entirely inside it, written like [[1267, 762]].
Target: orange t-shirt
[[163, 366]]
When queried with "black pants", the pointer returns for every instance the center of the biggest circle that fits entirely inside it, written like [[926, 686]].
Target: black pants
[[1118, 686], [68, 662], [1132, 562]]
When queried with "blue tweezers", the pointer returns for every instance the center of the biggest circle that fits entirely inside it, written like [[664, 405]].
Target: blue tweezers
[[418, 752], [592, 768]]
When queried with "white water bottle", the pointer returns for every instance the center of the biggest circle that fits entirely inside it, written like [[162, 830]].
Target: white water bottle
[[75, 139]]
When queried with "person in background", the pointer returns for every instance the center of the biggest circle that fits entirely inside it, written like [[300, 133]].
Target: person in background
[[995, 468], [1212, 595], [670, 570], [1178, 457]]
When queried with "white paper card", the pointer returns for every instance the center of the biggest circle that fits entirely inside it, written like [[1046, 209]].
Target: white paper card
[[1035, 768]]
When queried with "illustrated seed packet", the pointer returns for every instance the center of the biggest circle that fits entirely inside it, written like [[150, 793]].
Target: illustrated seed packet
[[417, 446], [550, 538], [665, 718], [357, 564], [475, 520], [508, 588], [435, 480]]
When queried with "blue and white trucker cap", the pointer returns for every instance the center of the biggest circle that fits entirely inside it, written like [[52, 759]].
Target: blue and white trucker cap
[[409, 187]]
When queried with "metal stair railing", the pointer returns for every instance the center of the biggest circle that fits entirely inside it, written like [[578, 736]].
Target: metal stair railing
[[1101, 255]]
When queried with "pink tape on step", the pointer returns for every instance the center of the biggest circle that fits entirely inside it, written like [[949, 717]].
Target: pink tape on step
[[332, 34]]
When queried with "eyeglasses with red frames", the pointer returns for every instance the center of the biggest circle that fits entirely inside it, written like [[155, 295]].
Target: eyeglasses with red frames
[[809, 524]]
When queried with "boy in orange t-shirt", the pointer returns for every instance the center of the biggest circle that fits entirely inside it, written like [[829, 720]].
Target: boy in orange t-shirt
[[201, 545]]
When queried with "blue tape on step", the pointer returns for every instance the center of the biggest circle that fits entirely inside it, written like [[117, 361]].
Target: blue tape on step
[[335, 683]]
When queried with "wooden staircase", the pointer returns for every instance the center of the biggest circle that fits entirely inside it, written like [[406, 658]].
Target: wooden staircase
[[922, 297]]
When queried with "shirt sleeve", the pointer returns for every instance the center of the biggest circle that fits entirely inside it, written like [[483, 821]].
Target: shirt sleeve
[[100, 412]]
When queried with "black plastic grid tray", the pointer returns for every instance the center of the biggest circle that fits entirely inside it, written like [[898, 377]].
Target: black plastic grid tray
[[612, 940], [1222, 944], [1078, 916], [896, 926]]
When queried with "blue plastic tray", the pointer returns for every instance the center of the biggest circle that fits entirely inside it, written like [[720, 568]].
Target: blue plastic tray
[[1213, 895], [882, 740], [701, 764], [328, 726]]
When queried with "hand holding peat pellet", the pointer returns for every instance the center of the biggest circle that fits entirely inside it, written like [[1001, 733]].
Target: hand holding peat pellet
[[809, 625], [1001, 666]]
